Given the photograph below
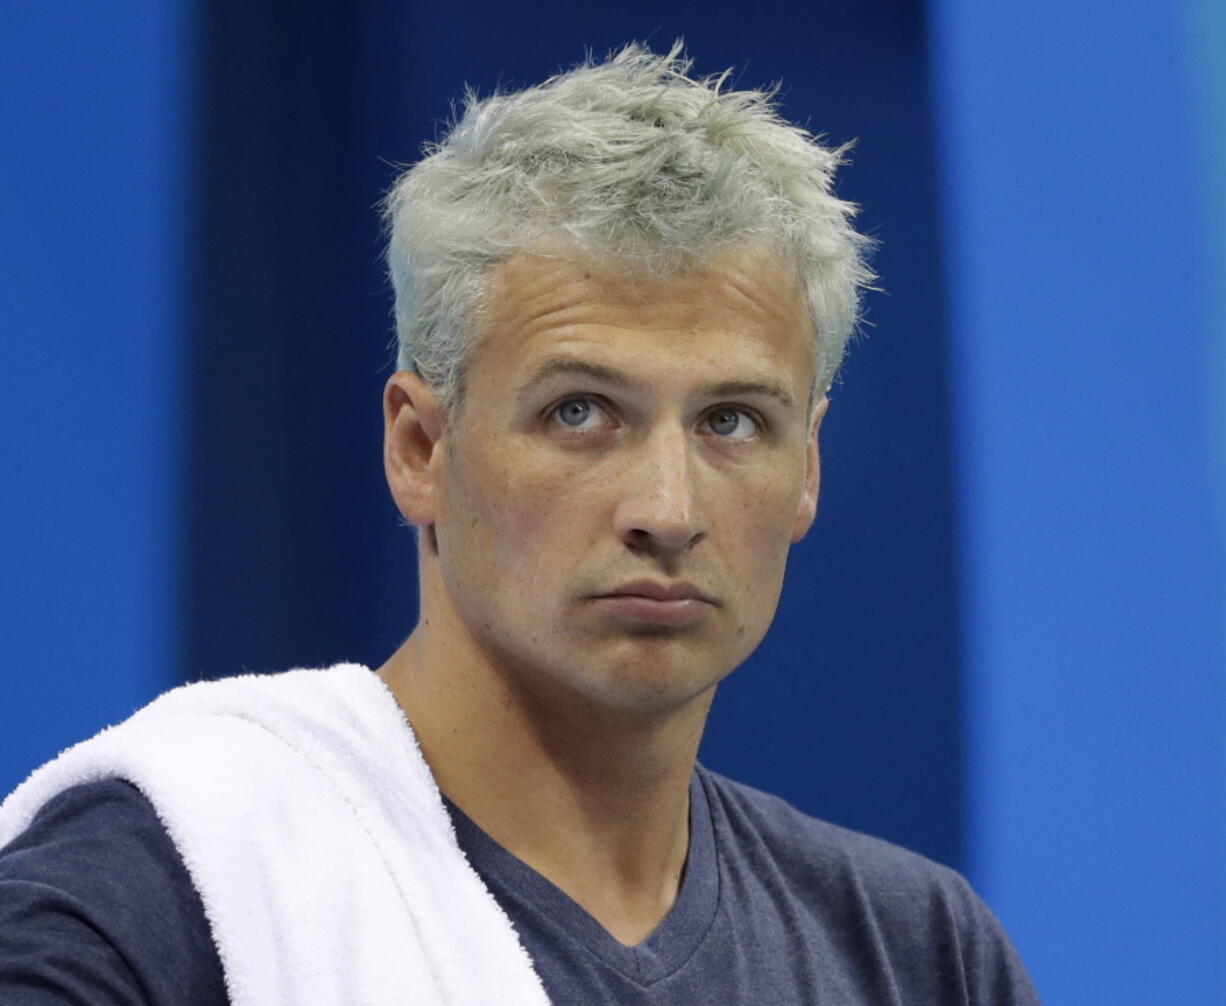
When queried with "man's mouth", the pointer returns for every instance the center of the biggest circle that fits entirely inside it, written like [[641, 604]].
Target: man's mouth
[[655, 603]]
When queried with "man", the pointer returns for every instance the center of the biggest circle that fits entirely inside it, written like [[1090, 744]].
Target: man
[[621, 298]]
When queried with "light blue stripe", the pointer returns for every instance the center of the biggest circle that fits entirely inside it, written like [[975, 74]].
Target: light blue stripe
[[93, 199], [1207, 43], [1093, 574], [1206, 25]]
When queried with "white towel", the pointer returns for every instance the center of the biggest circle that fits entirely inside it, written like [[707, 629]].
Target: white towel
[[317, 838]]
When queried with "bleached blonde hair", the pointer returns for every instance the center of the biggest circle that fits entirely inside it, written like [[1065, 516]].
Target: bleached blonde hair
[[630, 159]]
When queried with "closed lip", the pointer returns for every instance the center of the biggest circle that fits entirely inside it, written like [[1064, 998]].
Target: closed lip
[[654, 591]]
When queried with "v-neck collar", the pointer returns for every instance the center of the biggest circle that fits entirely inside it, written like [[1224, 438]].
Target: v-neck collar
[[544, 904]]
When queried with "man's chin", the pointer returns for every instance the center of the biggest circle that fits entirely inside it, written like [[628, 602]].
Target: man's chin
[[645, 689]]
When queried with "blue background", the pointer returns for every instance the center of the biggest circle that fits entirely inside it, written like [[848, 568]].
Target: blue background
[[1003, 642]]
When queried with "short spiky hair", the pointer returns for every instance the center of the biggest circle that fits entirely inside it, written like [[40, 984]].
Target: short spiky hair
[[632, 160]]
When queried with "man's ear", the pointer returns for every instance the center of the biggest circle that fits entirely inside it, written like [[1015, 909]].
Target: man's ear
[[412, 429], [807, 510]]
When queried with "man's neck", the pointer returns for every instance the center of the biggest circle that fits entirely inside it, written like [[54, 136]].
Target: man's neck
[[597, 801]]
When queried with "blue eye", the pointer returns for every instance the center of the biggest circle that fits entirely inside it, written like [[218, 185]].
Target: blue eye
[[578, 414], [574, 413], [733, 424]]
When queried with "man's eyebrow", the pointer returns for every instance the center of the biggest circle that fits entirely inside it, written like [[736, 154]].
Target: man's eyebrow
[[566, 365], [569, 366], [738, 389]]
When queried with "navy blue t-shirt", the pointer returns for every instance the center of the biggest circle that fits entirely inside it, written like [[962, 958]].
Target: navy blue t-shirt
[[775, 908]]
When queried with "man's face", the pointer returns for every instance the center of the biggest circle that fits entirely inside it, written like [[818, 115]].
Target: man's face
[[616, 496]]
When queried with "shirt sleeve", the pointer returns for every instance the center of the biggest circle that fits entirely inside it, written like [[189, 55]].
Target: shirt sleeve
[[992, 971], [97, 909]]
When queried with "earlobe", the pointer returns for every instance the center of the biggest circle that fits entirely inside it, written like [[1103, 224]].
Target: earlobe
[[806, 511], [412, 429]]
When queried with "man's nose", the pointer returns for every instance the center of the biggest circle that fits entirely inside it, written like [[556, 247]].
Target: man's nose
[[659, 509]]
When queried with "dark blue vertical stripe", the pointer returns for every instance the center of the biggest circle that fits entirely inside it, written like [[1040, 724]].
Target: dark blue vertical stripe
[[293, 555]]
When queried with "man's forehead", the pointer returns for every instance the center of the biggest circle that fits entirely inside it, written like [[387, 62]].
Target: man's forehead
[[751, 287], [740, 318]]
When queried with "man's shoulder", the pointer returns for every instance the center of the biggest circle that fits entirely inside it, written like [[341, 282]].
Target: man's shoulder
[[819, 860], [785, 828], [101, 900], [108, 810], [869, 900]]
